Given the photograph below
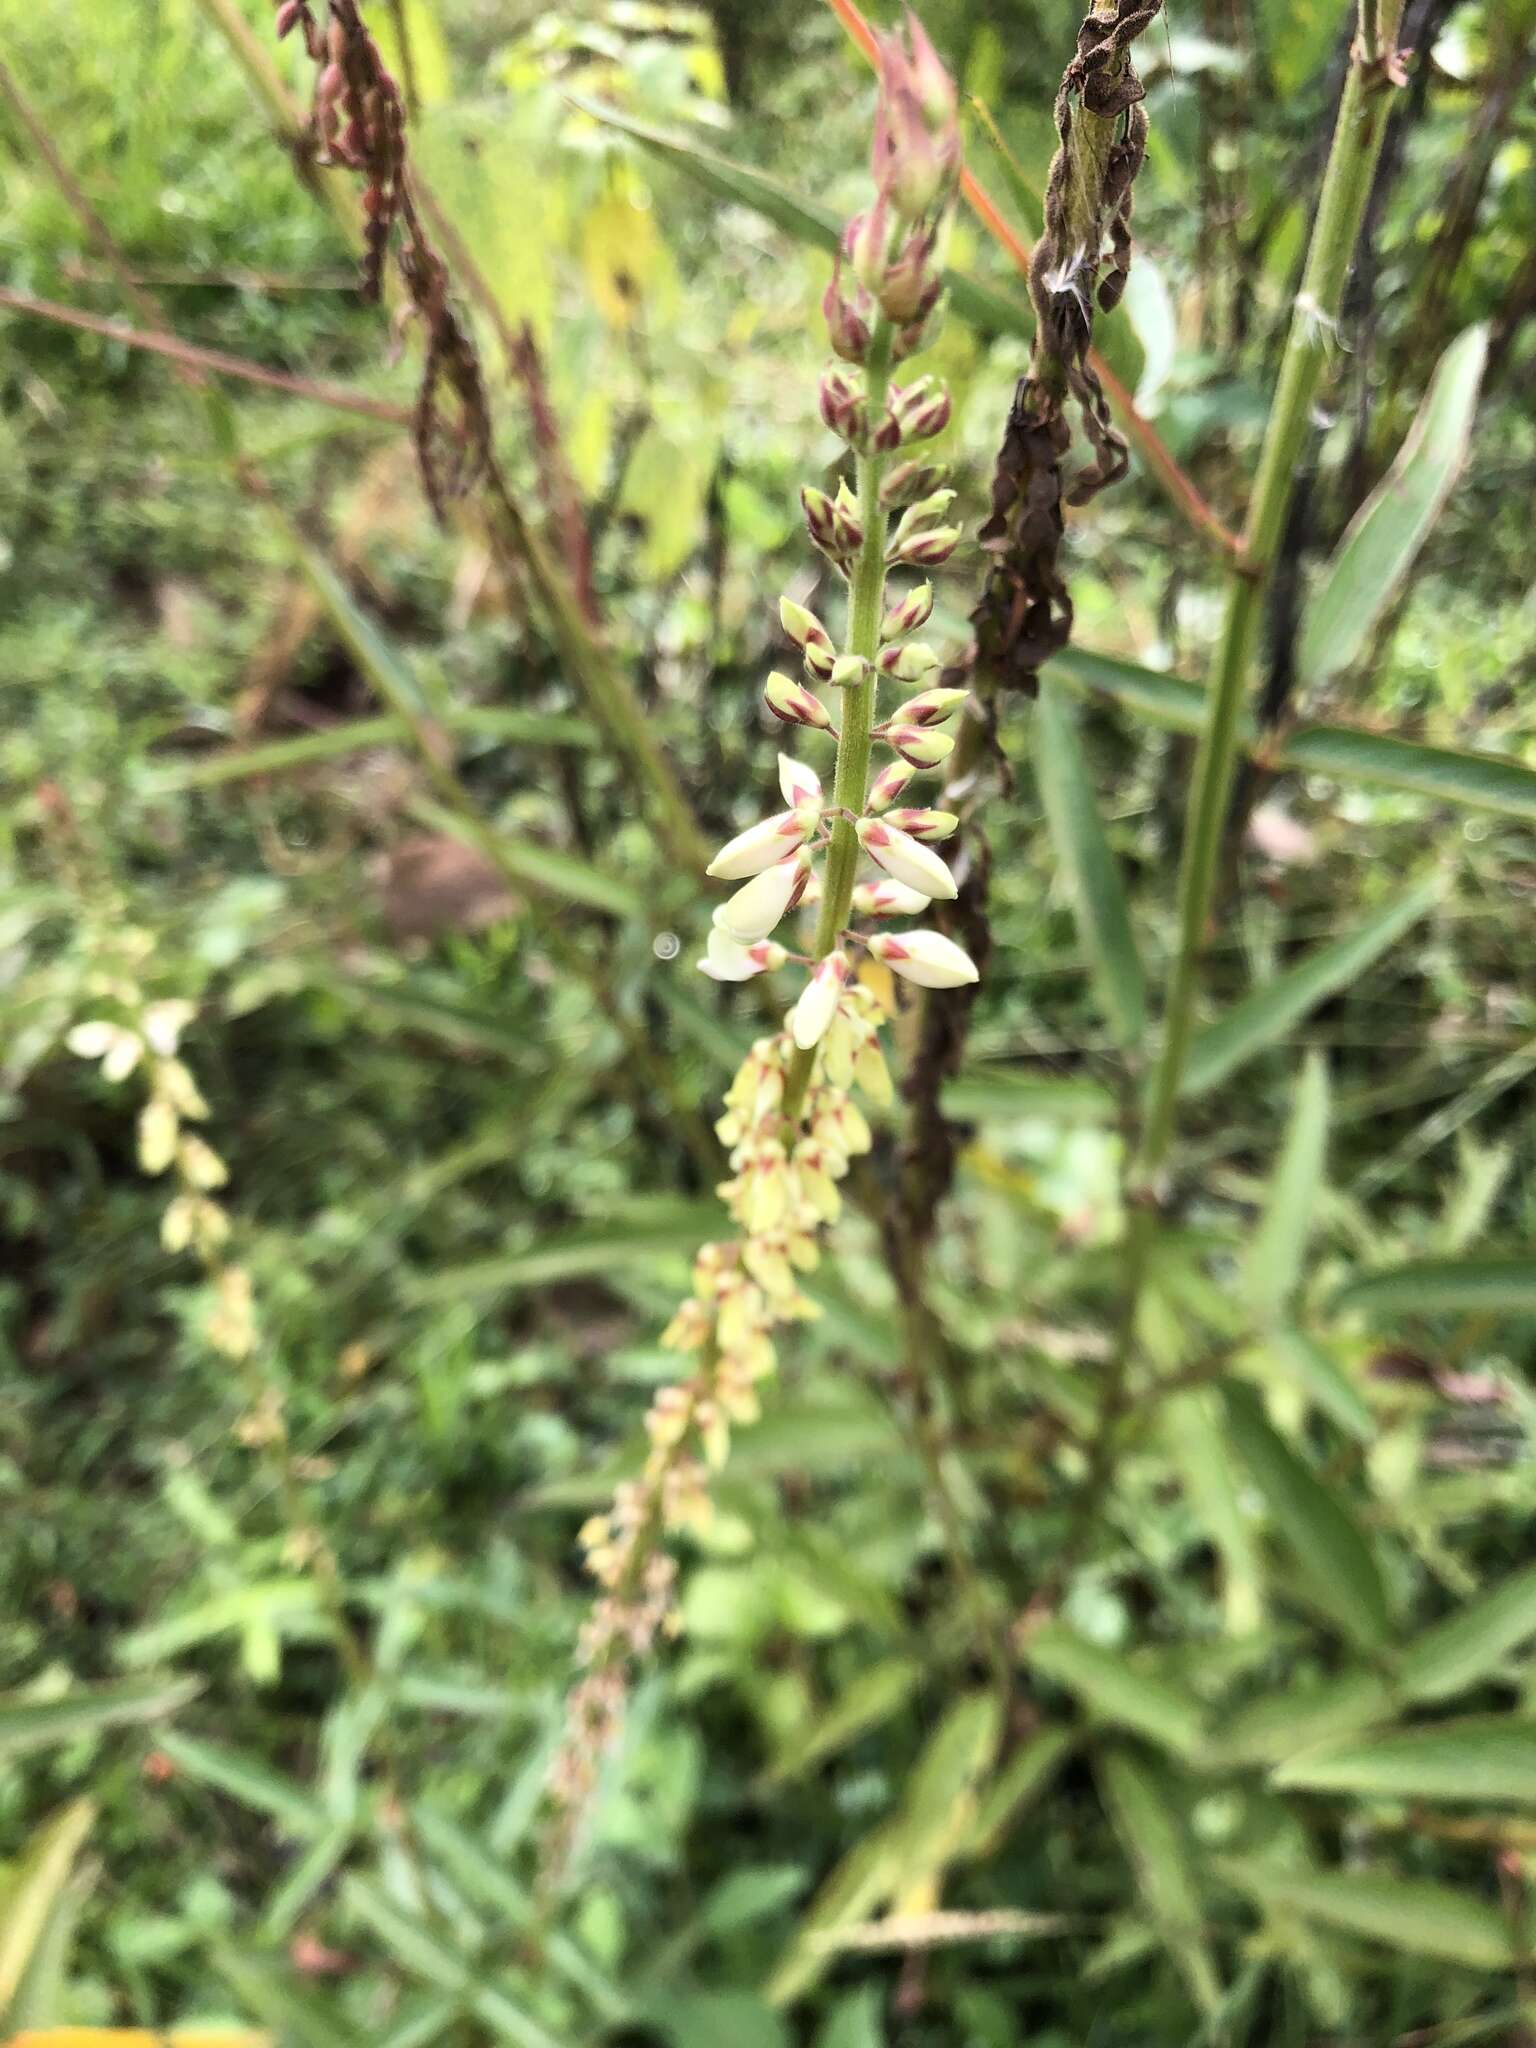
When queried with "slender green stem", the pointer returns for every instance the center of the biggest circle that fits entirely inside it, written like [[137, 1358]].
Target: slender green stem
[[850, 781], [1352, 158]]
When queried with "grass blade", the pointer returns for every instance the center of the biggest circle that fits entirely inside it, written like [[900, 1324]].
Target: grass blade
[[1439, 1287], [1264, 1016], [35, 1723], [1089, 868], [1273, 1266], [1489, 1761], [1385, 535], [1420, 1918]]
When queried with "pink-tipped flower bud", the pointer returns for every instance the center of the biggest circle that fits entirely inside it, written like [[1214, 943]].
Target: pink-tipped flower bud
[[909, 614], [907, 859], [888, 898], [287, 15], [819, 664], [817, 1006], [758, 905], [847, 524], [931, 708], [909, 287], [761, 846], [843, 408], [800, 787], [847, 324], [926, 550], [887, 434], [920, 824], [726, 959], [920, 746], [849, 671], [803, 627], [921, 409], [889, 784], [907, 662], [907, 483], [867, 239], [825, 523], [927, 958], [794, 703]]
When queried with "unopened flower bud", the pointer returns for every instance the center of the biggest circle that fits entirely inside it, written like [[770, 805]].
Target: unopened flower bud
[[927, 958], [803, 627], [817, 1006], [726, 959], [801, 787], [888, 898], [757, 906], [847, 328], [847, 526], [889, 784], [820, 519], [909, 280], [907, 663], [915, 743], [907, 483], [819, 663], [794, 703], [921, 409], [912, 611], [849, 671], [867, 239], [931, 708], [928, 549], [287, 15], [921, 824], [842, 406], [760, 846], [907, 859]]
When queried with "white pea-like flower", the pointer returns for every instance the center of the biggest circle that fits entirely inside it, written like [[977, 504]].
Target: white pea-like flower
[[919, 745], [118, 1048], [800, 787], [817, 1006], [757, 906], [761, 845], [905, 858], [888, 898], [726, 959], [927, 958], [164, 1023]]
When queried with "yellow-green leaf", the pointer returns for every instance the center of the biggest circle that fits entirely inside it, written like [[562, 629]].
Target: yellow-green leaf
[[1488, 1761], [1469, 1646], [1420, 1918]]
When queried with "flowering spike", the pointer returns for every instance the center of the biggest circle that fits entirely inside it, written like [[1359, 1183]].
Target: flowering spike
[[907, 859], [922, 824], [817, 1006], [889, 784], [931, 708], [794, 704], [761, 845], [927, 958], [915, 743]]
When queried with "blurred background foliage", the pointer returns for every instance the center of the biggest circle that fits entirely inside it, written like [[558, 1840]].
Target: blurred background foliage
[[466, 1202]]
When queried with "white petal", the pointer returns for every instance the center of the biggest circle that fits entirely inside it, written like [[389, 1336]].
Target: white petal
[[758, 847], [817, 1006], [927, 958], [905, 858], [800, 785], [726, 959], [888, 899], [123, 1056], [757, 906], [164, 1024], [91, 1040]]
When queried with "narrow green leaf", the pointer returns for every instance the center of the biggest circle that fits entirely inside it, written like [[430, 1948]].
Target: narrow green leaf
[[304, 750], [978, 305], [1304, 1361], [548, 869], [1470, 1646], [877, 1693], [1197, 1450], [283, 1604], [1385, 535], [380, 663], [1269, 1012], [249, 1781], [1489, 1761], [27, 1723], [1116, 1690], [1276, 1724], [565, 1255], [314, 1868], [35, 1889], [1439, 1287], [861, 1884], [1449, 775], [424, 1952], [1088, 866], [1273, 1266], [999, 1094], [298, 2018], [1420, 1918], [939, 1811], [1015, 1789], [1158, 1851], [1333, 1558]]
